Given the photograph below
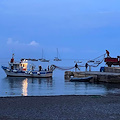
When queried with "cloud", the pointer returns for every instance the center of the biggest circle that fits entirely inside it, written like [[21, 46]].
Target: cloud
[[11, 42], [106, 12], [33, 43]]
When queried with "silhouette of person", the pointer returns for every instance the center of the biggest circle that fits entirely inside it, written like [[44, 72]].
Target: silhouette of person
[[40, 68], [76, 66], [48, 67], [108, 53], [86, 65]]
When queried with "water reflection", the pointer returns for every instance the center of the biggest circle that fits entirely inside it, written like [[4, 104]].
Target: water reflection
[[17, 86], [14, 82], [24, 87], [112, 88]]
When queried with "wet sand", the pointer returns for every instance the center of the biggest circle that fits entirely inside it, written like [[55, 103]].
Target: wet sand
[[61, 107]]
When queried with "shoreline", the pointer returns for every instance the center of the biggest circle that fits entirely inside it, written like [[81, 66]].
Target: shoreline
[[104, 95], [83, 107]]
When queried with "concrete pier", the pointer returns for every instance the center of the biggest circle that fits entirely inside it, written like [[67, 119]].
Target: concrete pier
[[97, 76], [112, 69]]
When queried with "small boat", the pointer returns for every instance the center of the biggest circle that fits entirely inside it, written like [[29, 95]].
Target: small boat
[[56, 58], [83, 79], [91, 61], [34, 60], [77, 61], [43, 59], [19, 69], [29, 59]]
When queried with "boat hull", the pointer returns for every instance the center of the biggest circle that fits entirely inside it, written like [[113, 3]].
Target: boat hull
[[32, 74], [41, 75], [84, 79]]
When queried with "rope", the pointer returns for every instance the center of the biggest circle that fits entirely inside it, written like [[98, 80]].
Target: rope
[[81, 65], [100, 56], [62, 68], [99, 62], [53, 67]]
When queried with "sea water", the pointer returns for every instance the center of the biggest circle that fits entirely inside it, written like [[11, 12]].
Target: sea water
[[57, 85]]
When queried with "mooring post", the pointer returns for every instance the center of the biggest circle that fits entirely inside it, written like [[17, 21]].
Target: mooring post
[[89, 68]]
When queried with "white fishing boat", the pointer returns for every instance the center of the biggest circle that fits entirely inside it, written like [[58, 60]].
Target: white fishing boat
[[19, 69], [57, 58]]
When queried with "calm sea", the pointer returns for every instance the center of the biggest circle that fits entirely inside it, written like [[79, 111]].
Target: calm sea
[[15, 86]]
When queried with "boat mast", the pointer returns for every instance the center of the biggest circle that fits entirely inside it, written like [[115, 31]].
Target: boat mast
[[42, 53], [57, 52]]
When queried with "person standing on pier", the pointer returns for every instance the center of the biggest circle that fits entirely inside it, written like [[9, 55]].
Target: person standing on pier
[[86, 66], [108, 53], [48, 68], [40, 68], [76, 66]]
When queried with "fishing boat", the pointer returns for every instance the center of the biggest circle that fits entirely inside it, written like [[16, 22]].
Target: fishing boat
[[57, 58], [20, 69], [82, 79]]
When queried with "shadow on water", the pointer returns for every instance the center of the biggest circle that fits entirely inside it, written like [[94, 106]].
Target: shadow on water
[[111, 87], [97, 88]]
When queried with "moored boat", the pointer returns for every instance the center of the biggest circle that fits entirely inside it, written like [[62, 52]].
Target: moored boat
[[82, 79], [19, 69], [43, 59], [56, 58]]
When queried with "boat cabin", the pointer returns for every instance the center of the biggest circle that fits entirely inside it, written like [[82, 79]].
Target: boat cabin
[[22, 66], [18, 66]]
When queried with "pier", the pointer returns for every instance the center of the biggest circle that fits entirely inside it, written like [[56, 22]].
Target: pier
[[110, 75]]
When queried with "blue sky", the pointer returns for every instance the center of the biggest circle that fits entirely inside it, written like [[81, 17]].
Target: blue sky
[[81, 29]]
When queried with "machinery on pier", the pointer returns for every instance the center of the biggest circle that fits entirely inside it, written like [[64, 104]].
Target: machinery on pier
[[111, 60]]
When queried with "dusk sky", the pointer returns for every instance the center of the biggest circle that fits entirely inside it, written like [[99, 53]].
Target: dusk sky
[[78, 28]]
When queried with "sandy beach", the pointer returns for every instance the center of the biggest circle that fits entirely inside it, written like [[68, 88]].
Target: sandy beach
[[61, 107]]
